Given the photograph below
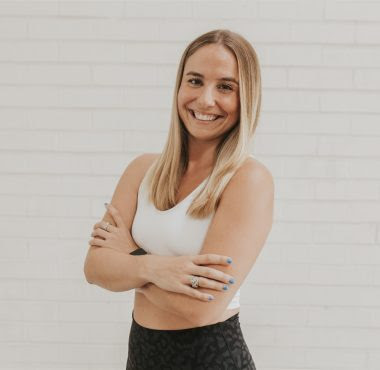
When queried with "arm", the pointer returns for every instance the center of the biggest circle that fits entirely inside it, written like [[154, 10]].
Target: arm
[[116, 270], [127, 272], [239, 229]]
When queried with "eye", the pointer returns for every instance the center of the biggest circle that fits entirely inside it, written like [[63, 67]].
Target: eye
[[193, 79], [225, 86], [229, 87]]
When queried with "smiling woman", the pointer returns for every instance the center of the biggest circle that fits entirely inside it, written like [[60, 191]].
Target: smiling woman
[[210, 101], [200, 201]]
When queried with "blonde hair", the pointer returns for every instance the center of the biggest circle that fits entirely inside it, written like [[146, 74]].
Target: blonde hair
[[165, 174]]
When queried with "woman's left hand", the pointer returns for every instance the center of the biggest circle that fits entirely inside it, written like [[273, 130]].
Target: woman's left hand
[[116, 237]]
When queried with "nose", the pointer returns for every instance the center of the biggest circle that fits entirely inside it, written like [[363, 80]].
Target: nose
[[206, 97]]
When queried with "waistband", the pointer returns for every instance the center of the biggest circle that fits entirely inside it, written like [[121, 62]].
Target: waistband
[[233, 320]]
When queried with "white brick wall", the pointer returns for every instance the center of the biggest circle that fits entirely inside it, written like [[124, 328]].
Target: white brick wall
[[86, 86]]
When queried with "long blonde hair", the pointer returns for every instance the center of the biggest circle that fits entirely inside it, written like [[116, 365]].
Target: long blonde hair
[[165, 174]]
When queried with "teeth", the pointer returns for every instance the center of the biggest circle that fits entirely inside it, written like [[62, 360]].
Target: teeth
[[204, 117]]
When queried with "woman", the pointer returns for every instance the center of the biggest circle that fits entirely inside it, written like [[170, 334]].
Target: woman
[[200, 201]]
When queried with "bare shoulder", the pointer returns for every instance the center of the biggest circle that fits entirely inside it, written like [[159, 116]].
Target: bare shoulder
[[125, 195], [256, 170], [252, 176], [139, 165]]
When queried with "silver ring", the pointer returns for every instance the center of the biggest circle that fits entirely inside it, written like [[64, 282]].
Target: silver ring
[[105, 227], [194, 281]]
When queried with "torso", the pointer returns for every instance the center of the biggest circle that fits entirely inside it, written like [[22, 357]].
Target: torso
[[146, 313]]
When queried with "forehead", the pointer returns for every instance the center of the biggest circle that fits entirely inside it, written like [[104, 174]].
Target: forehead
[[213, 60]]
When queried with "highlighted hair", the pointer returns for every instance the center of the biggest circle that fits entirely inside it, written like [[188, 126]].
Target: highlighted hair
[[164, 176]]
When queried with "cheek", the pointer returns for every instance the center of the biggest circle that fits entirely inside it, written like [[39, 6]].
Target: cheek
[[182, 98], [232, 107], [236, 106], [187, 93], [179, 97]]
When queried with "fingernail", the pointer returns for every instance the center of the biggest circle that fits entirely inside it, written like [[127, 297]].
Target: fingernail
[[106, 205], [225, 287], [210, 297], [229, 260], [232, 281]]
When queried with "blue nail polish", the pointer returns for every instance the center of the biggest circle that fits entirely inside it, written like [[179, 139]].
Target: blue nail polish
[[232, 281], [225, 287], [229, 260]]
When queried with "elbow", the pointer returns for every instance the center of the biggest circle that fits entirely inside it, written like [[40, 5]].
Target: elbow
[[88, 268], [87, 273], [91, 279]]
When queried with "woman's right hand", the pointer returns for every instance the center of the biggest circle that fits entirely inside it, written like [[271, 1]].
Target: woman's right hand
[[173, 273]]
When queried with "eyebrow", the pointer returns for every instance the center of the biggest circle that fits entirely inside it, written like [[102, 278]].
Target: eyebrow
[[221, 79]]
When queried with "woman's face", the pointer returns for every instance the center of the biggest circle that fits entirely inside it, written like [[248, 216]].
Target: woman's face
[[208, 104]]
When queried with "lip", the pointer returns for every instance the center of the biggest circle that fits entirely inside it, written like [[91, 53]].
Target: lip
[[205, 114]]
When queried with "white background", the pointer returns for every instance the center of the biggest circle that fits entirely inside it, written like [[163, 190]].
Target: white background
[[87, 86]]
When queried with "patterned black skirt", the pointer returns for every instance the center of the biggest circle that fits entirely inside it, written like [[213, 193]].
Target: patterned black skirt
[[219, 346]]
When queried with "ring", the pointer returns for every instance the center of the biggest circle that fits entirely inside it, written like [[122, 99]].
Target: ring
[[105, 227], [194, 281]]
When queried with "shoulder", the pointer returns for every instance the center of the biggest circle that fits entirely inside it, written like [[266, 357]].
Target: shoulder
[[143, 160], [255, 169], [126, 191], [251, 179], [139, 165]]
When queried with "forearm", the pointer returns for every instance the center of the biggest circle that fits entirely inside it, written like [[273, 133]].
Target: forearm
[[116, 271]]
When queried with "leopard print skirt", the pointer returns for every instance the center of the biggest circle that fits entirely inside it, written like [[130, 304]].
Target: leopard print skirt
[[219, 346]]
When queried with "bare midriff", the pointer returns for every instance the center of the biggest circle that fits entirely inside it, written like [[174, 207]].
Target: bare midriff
[[150, 316]]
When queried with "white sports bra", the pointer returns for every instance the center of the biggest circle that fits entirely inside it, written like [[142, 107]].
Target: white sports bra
[[170, 232]]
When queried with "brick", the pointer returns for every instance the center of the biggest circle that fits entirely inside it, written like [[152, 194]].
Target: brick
[[367, 79], [352, 10], [324, 33], [312, 78], [310, 10]]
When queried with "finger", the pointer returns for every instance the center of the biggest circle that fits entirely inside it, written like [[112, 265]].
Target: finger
[[192, 292], [100, 232], [97, 242], [211, 284], [210, 258], [103, 224], [116, 215], [211, 273]]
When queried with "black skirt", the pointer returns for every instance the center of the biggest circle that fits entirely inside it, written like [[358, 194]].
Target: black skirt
[[219, 346]]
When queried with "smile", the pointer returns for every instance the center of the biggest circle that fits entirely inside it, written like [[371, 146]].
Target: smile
[[204, 117]]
